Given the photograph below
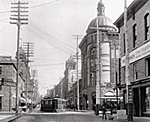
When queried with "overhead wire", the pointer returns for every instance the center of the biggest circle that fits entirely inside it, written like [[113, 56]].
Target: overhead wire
[[44, 37], [43, 4], [50, 36]]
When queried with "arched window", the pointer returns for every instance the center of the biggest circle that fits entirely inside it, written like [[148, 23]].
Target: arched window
[[93, 51], [93, 66]]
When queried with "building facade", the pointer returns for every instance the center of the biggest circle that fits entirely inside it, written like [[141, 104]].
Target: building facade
[[109, 41], [8, 84], [138, 36]]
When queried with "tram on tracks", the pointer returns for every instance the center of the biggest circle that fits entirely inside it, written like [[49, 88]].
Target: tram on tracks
[[53, 104]]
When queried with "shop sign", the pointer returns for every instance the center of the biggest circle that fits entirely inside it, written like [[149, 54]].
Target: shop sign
[[7, 83], [130, 97], [137, 54], [12, 84]]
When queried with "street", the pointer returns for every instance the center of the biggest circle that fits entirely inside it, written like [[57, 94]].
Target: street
[[68, 116], [60, 118]]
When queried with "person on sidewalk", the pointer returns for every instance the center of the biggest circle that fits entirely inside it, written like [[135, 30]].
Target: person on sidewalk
[[104, 110]]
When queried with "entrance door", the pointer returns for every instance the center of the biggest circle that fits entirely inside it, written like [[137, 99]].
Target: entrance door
[[136, 101], [0, 103]]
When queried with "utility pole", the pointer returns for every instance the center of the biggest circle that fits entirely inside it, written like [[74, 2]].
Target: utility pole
[[98, 70], [115, 75], [128, 88], [19, 20], [98, 67], [28, 48], [77, 56]]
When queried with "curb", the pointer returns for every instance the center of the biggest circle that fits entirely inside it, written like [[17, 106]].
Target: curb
[[11, 118]]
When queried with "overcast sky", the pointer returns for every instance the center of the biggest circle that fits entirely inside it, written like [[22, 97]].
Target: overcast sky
[[52, 24]]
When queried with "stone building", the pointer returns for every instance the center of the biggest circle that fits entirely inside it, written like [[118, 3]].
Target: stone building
[[109, 41], [138, 36]]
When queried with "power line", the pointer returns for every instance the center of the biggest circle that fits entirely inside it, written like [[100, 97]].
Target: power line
[[48, 64], [43, 4]]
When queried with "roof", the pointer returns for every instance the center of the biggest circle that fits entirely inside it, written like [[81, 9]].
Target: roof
[[131, 10], [104, 23]]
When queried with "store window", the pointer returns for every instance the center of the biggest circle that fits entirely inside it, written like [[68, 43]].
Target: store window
[[147, 99], [146, 24]]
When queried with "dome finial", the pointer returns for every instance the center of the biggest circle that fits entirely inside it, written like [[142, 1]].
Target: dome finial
[[101, 8]]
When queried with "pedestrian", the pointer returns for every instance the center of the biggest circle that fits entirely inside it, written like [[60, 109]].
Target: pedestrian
[[81, 106], [74, 107], [104, 110]]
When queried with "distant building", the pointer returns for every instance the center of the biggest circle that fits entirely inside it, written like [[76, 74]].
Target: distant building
[[71, 78]]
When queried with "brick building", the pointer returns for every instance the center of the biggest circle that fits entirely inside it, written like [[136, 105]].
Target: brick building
[[138, 35], [8, 84]]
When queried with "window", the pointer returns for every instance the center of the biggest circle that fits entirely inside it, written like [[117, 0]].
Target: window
[[124, 74], [124, 43], [134, 35], [135, 72], [92, 38], [93, 66], [146, 23], [148, 67], [93, 51]]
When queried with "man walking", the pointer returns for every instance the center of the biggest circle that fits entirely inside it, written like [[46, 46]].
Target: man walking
[[104, 110]]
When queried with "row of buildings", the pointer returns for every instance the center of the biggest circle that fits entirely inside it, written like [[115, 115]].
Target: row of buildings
[[27, 81], [113, 60]]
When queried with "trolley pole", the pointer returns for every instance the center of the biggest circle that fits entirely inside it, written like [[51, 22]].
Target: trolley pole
[[18, 18], [77, 57]]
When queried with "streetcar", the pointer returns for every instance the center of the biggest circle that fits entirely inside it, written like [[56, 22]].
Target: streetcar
[[53, 104]]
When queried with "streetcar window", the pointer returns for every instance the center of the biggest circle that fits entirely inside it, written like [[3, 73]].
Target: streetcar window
[[50, 102], [46, 102]]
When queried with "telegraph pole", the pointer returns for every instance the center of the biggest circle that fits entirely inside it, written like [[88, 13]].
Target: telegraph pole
[[19, 20], [28, 48], [98, 67], [77, 54], [98, 94], [128, 88]]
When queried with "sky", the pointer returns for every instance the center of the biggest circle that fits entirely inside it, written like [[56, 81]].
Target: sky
[[51, 26]]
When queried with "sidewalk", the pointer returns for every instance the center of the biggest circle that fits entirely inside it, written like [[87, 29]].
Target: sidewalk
[[135, 119], [8, 116]]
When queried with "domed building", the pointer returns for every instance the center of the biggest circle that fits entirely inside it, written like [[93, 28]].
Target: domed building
[[101, 28]]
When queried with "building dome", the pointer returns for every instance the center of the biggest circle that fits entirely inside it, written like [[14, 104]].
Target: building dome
[[104, 23]]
